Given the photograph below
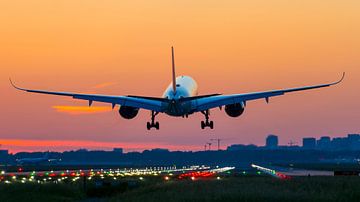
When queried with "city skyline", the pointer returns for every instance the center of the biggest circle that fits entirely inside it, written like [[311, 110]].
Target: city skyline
[[271, 141], [122, 48]]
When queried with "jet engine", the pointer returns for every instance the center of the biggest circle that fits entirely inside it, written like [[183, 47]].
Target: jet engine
[[128, 112], [234, 110]]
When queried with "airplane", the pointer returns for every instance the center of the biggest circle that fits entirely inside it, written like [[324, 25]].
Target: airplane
[[180, 99], [40, 160]]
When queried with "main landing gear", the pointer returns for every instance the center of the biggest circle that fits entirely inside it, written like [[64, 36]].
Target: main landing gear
[[207, 123], [153, 124]]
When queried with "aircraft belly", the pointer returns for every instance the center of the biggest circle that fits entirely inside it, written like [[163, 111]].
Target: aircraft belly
[[179, 109]]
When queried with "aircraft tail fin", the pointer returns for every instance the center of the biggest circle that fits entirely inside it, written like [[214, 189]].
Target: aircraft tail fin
[[173, 69]]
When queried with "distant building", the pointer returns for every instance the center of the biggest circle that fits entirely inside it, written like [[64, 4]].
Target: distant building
[[118, 150], [4, 152], [324, 142], [309, 143], [354, 141], [159, 150], [293, 147], [340, 143], [272, 142], [4, 156], [238, 147]]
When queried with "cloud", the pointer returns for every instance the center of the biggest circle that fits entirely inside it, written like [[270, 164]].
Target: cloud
[[78, 110], [103, 85]]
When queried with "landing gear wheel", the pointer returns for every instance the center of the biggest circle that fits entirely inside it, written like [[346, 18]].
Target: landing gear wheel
[[207, 123], [153, 124], [211, 124]]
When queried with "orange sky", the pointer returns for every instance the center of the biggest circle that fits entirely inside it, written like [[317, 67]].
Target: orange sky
[[123, 47]]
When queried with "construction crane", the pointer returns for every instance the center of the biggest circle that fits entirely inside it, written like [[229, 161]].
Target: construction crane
[[209, 143], [292, 143], [218, 142]]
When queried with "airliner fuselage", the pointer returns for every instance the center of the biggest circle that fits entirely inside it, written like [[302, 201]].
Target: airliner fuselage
[[185, 87]]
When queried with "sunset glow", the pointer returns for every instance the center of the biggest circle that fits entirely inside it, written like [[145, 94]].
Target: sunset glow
[[123, 48]]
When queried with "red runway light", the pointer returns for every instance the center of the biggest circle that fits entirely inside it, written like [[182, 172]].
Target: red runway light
[[52, 175], [196, 174]]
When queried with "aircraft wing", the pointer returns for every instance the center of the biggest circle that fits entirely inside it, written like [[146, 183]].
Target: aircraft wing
[[206, 103], [131, 101]]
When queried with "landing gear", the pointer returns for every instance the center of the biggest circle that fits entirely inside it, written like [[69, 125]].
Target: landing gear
[[153, 124], [207, 123]]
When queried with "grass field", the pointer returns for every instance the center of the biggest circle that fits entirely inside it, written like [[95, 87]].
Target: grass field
[[233, 188]]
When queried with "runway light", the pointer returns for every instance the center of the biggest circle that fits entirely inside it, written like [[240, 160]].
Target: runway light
[[192, 178], [141, 178], [218, 178], [52, 174], [2, 172], [167, 178]]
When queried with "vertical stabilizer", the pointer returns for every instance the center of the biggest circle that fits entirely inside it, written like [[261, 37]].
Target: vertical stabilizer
[[173, 70]]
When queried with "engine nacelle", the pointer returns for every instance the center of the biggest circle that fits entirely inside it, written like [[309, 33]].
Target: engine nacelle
[[235, 110], [128, 112]]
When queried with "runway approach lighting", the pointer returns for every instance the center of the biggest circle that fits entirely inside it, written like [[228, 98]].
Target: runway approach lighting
[[271, 172], [80, 176]]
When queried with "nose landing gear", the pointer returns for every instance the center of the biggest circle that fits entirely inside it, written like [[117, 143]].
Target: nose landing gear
[[153, 124], [207, 123]]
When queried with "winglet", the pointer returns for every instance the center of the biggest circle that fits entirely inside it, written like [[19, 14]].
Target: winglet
[[12, 83], [342, 78]]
